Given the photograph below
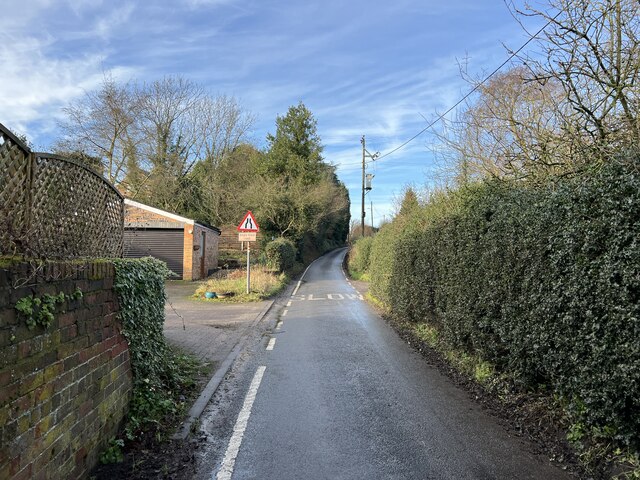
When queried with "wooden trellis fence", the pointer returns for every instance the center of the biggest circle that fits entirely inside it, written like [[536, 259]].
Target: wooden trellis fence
[[52, 207]]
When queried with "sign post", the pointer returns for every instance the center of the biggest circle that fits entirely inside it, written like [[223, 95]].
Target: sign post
[[247, 232]]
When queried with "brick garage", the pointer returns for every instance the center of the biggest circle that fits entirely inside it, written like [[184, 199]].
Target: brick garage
[[64, 389], [189, 248]]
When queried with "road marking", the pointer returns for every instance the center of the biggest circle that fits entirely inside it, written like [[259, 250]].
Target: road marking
[[229, 460], [289, 303], [330, 296], [278, 325], [303, 274], [284, 312], [272, 343]]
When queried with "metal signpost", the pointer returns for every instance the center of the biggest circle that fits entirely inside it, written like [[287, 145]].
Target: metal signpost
[[247, 232]]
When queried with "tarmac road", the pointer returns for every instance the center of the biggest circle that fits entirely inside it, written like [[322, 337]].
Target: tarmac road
[[338, 395]]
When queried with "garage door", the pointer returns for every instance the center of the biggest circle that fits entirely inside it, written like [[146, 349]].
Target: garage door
[[164, 244]]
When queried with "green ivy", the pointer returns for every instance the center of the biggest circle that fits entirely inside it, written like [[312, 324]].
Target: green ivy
[[160, 376], [113, 453], [40, 311]]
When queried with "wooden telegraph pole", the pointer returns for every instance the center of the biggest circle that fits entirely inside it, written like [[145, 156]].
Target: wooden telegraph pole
[[365, 154], [363, 167]]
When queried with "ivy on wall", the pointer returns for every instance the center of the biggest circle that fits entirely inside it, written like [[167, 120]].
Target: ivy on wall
[[159, 374], [40, 311]]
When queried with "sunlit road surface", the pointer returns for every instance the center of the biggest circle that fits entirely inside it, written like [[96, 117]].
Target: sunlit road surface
[[334, 393]]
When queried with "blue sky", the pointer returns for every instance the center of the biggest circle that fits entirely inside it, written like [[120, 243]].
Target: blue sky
[[374, 68]]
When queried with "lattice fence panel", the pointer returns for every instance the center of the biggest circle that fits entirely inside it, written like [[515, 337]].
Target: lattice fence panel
[[51, 207], [14, 210], [76, 213]]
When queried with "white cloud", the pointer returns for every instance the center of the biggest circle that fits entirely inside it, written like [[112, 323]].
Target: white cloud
[[207, 3], [113, 19], [35, 87]]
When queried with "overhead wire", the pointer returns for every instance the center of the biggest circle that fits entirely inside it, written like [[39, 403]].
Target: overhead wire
[[472, 91]]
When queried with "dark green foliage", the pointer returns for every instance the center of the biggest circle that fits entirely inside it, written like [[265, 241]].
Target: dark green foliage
[[295, 151], [113, 453], [543, 281], [281, 254], [159, 375], [297, 195]]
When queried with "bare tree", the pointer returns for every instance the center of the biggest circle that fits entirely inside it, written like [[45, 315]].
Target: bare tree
[[591, 47], [168, 117], [223, 126], [512, 128], [101, 129]]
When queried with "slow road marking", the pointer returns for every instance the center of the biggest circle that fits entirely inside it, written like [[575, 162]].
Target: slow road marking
[[229, 460], [329, 296]]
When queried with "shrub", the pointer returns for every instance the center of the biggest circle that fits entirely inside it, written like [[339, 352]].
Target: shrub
[[281, 254], [359, 256], [542, 281]]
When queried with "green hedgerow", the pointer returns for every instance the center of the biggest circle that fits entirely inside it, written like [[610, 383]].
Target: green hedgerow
[[539, 280]]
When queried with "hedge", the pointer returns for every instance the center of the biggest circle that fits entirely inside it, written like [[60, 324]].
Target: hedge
[[359, 255], [541, 280], [281, 254]]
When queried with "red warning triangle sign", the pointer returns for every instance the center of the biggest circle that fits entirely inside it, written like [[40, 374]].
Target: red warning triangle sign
[[248, 223]]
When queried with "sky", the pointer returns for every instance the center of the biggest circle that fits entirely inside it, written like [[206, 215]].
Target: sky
[[382, 69]]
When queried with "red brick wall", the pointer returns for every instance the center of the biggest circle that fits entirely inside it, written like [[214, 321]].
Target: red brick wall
[[229, 240], [65, 389], [211, 252], [139, 215]]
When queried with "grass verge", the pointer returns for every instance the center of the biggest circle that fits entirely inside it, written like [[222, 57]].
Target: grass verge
[[232, 284]]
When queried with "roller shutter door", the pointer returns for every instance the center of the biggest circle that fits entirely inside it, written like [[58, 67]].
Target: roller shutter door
[[164, 244]]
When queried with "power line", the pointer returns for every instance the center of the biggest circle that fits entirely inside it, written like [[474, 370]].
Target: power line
[[473, 90]]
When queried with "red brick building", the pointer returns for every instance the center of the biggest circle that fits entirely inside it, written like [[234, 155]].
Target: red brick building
[[189, 248]]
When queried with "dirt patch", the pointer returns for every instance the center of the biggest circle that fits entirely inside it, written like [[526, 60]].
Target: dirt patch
[[174, 459]]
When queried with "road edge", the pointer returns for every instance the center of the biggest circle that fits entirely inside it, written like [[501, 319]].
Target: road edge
[[195, 412]]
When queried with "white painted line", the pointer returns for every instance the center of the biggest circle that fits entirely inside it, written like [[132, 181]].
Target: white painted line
[[272, 343], [303, 274], [289, 303], [284, 312], [229, 461], [279, 325]]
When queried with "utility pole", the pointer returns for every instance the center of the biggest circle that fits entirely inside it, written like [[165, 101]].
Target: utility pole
[[365, 153], [363, 166]]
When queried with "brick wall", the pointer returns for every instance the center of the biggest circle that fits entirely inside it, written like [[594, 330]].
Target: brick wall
[[63, 390], [193, 257], [141, 218], [229, 240]]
